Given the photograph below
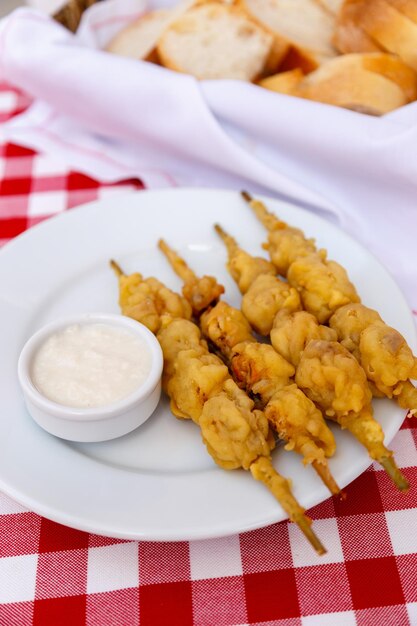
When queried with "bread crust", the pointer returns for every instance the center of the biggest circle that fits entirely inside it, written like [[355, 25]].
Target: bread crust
[[294, 30], [138, 40], [361, 82], [391, 29]]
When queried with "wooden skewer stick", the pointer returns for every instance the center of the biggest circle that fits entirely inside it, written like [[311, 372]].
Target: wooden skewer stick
[[268, 219], [178, 264]]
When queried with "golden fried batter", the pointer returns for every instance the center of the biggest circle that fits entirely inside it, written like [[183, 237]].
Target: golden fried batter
[[197, 377], [225, 327], [199, 292], [299, 422], [145, 300], [292, 332], [243, 267], [349, 321], [200, 388], [333, 379], [176, 335], [381, 350], [324, 286], [259, 369], [263, 292], [265, 297], [234, 433], [285, 243]]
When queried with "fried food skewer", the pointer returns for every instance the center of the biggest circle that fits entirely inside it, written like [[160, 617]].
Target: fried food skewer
[[327, 373], [200, 388], [382, 352], [334, 380], [200, 293], [264, 294], [147, 299], [285, 243], [323, 285], [262, 372]]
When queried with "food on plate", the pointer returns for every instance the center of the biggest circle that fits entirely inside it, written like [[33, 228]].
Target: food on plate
[[323, 285], [266, 376], [215, 41], [264, 294], [90, 365], [381, 350], [291, 332], [357, 54], [146, 299], [333, 379], [200, 388], [325, 370], [390, 25]]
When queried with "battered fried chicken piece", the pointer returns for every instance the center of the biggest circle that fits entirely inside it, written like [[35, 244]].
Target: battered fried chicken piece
[[382, 352], [226, 327], [145, 300], [349, 321], [264, 374], [299, 422], [191, 374], [333, 379], [236, 435], [176, 335], [323, 285], [292, 332], [259, 370], [285, 243], [265, 294], [248, 435], [199, 292]]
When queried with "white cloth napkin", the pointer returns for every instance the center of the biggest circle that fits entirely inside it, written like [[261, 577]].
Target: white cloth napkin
[[113, 117]]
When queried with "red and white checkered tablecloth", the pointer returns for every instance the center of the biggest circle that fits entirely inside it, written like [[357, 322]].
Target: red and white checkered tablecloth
[[51, 575]]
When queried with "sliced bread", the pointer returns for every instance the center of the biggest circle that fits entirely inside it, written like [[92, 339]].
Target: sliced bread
[[389, 27], [302, 23], [139, 39], [360, 82], [284, 82], [333, 6], [214, 41], [407, 7], [348, 34]]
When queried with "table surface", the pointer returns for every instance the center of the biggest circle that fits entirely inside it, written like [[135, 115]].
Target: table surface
[[52, 575]]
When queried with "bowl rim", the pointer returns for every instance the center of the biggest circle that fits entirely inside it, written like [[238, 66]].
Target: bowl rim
[[106, 411]]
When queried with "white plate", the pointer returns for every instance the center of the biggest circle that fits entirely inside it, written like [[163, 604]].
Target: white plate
[[157, 483]]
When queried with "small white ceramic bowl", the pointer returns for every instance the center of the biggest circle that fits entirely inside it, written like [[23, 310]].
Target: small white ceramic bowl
[[100, 423]]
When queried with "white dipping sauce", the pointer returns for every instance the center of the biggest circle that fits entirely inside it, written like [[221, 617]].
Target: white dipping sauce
[[90, 365]]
